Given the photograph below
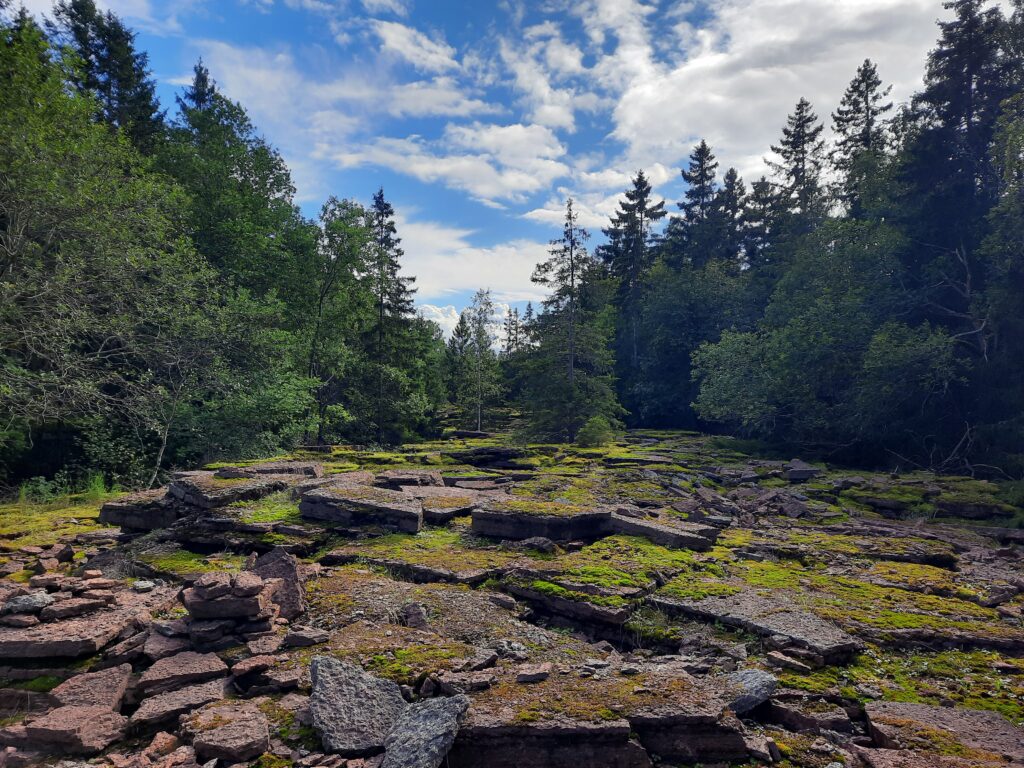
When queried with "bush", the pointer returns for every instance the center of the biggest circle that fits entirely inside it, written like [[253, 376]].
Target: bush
[[596, 432]]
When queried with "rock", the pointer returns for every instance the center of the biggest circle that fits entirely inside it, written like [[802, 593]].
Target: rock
[[95, 689], [361, 505], [226, 606], [143, 585], [352, 710], [424, 733], [548, 519], [533, 673], [896, 725], [395, 479], [205, 491], [413, 615], [77, 730], [261, 646], [290, 596], [247, 584], [180, 670], [32, 603], [798, 471], [498, 456], [748, 688], [19, 620], [303, 637], [165, 707], [232, 731], [253, 665], [158, 646], [210, 586], [677, 534], [66, 609], [83, 636], [779, 659], [143, 511], [538, 544]]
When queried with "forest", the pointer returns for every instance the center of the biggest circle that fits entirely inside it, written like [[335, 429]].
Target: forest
[[165, 303]]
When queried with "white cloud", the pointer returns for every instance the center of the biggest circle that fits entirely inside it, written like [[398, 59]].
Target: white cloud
[[397, 7], [415, 47], [140, 13], [447, 264], [747, 67], [491, 162], [447, 317]]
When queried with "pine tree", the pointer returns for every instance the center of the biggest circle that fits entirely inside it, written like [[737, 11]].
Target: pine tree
[[562, 274], [728, 218], [112, 70], [511, 332], [700, 184], [392, 296], [483, 383], [801, 151], [629, 253], [860, 128]]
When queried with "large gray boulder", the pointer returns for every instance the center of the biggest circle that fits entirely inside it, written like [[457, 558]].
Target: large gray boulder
[[352, 710], [424, 733]]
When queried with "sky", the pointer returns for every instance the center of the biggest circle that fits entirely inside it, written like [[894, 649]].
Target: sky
[[479, 118]]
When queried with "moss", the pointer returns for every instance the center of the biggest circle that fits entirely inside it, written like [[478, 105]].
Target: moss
[[42, 684], [43, 524], [540, 507], [405, 665], [276, 508], [183, 563], [449, 548], [554, 590]]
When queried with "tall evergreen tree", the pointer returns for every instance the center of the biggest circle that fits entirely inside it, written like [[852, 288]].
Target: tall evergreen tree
[[392, 294], [801, 152], [728, 211], [629, 253], [112, 70], [859, 125], [700, 183]]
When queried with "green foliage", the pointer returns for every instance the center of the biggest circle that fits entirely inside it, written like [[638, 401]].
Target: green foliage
[[596, 432]]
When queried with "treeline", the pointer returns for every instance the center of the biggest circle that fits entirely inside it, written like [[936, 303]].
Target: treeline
[[164, 302], [865, 302], [162, 299]]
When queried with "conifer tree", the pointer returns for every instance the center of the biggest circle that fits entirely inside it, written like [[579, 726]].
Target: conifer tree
[[802, 154], [700, 184], [629, 253], [728, 214], [112, 70], [860, 127]]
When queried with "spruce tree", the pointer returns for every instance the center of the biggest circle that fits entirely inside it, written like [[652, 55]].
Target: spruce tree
[[392, 295], [860, 127], [700, 184], [112, 70], [629, 253], [728, 211], [802, 154]]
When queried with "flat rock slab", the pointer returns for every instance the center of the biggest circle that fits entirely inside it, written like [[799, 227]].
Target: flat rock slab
[[396, 478], [486, 740], [353, 711], [95, 689], [424, 733], [207, 491], [84, 635], [76, 730], [896, 725], [667, 532], [182, 669], [166, 707], [143, 511], [526, 520], [361, 505], [232, 731], [766, 617]]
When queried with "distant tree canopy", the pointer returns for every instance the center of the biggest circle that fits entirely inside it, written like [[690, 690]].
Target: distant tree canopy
[[164, 302]]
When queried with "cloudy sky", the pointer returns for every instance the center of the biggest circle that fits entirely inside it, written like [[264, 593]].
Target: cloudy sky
[[479, 118]]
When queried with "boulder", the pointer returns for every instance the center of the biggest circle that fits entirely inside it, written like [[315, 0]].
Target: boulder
[[395, 479], [143, 511], [95, 689], [182, 669], [232, 731], [32, 603], [749, 688], [303, 637], [424, 733], [667, 532], [897, 725], [519, 519], [76, 730], [353, 711], [290, 596], [798, 471], [66, 609]]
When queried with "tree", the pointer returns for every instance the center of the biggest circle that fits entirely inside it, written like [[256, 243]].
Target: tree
[[561, 275], [695, 237], [801, 152], [392, 297], [112, 70], [511, 332], [728, 209], [700, 183], [476, 375], [629, 254], [860, 129]]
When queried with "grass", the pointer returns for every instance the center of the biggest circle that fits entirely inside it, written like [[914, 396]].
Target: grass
[[183, 563], [42, 524]]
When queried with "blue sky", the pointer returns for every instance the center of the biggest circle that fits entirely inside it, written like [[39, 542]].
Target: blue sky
[[479, 118]]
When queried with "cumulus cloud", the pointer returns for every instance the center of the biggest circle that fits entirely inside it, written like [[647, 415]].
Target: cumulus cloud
[[446, 317], [493, 163], [397, 7], [415, 47], [447, 264]]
